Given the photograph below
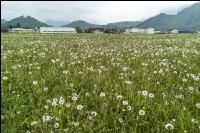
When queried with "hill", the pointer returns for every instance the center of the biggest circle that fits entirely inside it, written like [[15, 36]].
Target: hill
[[186, 19], [25, 22]]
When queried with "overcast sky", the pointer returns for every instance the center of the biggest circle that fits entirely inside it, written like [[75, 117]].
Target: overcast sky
[[99, 12]]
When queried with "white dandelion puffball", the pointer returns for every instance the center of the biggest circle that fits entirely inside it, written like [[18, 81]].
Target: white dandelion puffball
[[102, 94], [151, 95], [56, 125], [145, 93], [125, 103], [198, 105], [65, 72], [129, 108], [79, 107], [74, 98], [119, 97], [68, 105], [35, 82], [169, 126], [5, 78], [94, 113], [141, 112], [45, 89]]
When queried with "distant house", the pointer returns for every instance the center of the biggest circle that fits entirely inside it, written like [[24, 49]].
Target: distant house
[[56, 30], [173, 31], [96, 30], [137, 30], [20, 30]]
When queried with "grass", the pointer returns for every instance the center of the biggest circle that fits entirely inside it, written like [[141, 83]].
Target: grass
[[156, 74]]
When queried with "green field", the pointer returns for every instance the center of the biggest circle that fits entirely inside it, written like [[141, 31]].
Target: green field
[[87, 83]]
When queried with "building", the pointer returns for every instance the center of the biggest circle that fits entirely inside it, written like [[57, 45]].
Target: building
[[56, 30], [143, 31], [20, 30], [185, 32], [174, 31]]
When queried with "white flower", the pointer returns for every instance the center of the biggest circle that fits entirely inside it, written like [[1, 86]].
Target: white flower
[[128, 82], [145, 93], [35, 82], [61, 101], [56, 125], [125, 103], [102, 94], [120, 120], [46, 118], [194, 120], [151, 95], [141, 112], [75, 124], [119, 97], [191, 88], [184, 80], [68, 105], [74, 98], [79, 107], [5, 78], [198, 105], [169, 126], [65, 72], [129, 108], [46, 106], [34, 123], [94, 113], [45, 89], [55, 100]]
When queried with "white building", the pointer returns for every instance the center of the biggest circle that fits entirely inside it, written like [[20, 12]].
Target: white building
[[174, 31], [56, 30], [137, 30]]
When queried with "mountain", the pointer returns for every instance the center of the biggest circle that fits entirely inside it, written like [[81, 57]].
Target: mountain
[[56, 23], [82, 24], [119, 25], [186, 19], [123, 24], [25, 22], [3, 21]]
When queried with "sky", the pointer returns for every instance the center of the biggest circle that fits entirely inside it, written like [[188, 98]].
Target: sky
[[97, 12]]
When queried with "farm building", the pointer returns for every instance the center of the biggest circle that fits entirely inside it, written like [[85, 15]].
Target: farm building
[[56, 30], [20, 30], [137, 30], [174, 31]]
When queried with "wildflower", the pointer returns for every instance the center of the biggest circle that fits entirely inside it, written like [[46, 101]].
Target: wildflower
[[129, 108], [61, 101], [68, 105], [75, 124], [5, 78], [119, 97], [198, 105], [94, 113], [125, 103], [74, 98], [169, 126], [46, 118], [65, 72], [120, 120], [151, 95], [46, 106], [56, 125], [102, 94], [145, 93], [194, 121], [79, 107], [35, 82], [34, 123], [141, 112], [191, 88], [45, 89], [128, 82], [184, 80]]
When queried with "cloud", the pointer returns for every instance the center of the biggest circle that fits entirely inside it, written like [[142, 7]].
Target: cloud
[[100, 12]]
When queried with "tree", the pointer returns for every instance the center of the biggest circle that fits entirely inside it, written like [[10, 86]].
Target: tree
[[18, 25], [79, 30]]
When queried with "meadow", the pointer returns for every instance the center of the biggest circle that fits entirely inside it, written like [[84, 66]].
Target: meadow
[[109, 83]]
